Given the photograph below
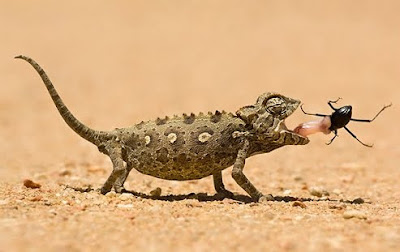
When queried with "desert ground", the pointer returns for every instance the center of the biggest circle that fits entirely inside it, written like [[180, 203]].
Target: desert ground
[[118, 63]]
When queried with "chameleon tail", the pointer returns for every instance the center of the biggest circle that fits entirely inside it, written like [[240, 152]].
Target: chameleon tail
[[93, 136]]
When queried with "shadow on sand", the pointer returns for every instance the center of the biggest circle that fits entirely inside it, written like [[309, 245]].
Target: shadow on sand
[[237, 197], [203, 197]]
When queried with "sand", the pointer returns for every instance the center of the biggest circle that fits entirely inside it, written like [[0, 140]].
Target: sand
[[116, 64]]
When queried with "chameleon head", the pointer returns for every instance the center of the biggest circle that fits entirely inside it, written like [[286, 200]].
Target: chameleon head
[[267, 119]]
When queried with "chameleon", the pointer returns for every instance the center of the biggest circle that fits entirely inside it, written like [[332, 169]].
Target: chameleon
[[190, 147]]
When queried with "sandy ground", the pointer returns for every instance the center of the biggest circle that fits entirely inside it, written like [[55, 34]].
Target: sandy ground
[[116, 64]]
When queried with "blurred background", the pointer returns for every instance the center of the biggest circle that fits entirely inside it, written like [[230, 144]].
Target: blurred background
[[118, 63]]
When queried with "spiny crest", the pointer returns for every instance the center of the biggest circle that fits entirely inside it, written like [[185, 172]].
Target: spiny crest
[[214, 117], [160, 121], [187, 118]]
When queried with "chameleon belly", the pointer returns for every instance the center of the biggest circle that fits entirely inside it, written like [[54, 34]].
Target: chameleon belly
[[183, 148]]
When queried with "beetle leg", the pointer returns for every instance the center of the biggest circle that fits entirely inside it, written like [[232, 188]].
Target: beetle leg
[[351, 133], [335, 101], [370, 120], [301, 106], [336, 135]]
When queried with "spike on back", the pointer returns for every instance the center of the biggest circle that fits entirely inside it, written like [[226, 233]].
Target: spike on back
[[189, 119], [160, 121], [216, 117]]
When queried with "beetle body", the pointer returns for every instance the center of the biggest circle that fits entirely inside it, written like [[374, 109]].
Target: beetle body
[[340, 118]]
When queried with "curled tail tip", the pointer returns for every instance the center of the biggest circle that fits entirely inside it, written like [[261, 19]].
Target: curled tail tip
[[26, 58], [20, 57]]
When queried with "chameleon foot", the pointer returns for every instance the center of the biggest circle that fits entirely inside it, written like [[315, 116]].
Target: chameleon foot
[[119, 189]]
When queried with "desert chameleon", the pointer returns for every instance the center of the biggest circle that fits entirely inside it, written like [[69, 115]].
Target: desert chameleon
[[190, 147]]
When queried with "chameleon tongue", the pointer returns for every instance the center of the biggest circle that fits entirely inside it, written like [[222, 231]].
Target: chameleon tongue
[[313, 127]]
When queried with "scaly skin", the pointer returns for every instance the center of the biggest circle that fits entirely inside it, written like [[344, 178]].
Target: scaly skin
[[191, 146]]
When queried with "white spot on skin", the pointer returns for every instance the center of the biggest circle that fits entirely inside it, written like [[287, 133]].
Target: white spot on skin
[[204, 137], [172, 137], [147, 139]]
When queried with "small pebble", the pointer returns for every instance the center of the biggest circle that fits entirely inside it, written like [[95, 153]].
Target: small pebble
[[337, 207], [53, 211], [96, 169], [3, 202], [125, 196], [358, 201], [82, 207], [354, 214], [36, 198], [30, 184], [287, 192], [347, 178], [156, 192], [298, 178], [299, 204], [125, 206], [65, 173], [40, 176], [337, 191], [269, 215], [316, 191], [352, 166], [111, 194]]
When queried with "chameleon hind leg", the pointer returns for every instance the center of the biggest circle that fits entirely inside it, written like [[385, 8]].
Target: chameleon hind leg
[[119, 182], [220, 187], [119, 172]]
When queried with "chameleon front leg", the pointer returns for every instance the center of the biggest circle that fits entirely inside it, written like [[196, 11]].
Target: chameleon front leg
[[219, 186], [119, 172], [239, 177]]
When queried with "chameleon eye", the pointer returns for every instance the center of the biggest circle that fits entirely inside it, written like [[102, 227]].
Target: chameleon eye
[[275, 105]]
